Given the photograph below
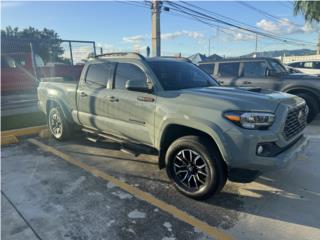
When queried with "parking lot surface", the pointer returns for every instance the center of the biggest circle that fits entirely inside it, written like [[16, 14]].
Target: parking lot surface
[[46, 197]]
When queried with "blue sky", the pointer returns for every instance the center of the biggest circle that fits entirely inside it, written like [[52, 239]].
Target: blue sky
[[118, 26]]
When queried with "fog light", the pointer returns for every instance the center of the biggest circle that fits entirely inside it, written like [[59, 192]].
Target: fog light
[[260, 150]]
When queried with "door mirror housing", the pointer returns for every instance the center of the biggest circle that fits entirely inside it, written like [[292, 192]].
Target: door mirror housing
[[139, 86]]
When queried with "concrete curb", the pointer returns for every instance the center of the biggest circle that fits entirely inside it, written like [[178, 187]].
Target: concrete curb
[[11, 136]]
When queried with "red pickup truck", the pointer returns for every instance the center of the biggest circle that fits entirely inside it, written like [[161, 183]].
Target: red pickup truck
[[19, 71]]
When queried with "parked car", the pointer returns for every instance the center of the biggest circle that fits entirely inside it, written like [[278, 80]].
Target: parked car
[[203, 133], [292, 69], [267, 73], [20, 71], [308, 67]]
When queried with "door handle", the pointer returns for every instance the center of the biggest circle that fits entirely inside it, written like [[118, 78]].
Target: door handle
[[145, 99], [83, 94], [247, 82], [113, 99], [221, 82]]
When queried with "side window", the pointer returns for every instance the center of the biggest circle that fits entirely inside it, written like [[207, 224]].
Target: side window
[[8, 62], [38, 61], [98, 74], [127, 71], [307, 65], [209, 68], [254, 69], [316, 65], [229, 69], [296, 64]]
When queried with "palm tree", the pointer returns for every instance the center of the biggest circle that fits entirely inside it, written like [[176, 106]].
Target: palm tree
[[310, 9]]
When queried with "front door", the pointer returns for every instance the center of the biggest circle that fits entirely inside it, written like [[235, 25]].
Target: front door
[[254, 74], [228, 73], [132, 112]]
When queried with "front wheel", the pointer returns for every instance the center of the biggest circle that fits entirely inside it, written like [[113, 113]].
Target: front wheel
[[59, 127], [312, 105], [195, 168]]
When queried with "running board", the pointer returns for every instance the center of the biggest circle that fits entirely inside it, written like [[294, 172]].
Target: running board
[[125, 146]]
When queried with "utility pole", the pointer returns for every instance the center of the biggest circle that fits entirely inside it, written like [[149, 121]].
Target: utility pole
[[209, 47], [256, 50], [156, 34], [318, 49]]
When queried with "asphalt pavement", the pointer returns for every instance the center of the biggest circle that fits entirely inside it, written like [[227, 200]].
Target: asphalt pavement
[[62, 194]]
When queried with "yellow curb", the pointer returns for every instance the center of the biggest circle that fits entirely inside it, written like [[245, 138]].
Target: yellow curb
[[23, 131], [213, 232], [9, 139], [45, 133]]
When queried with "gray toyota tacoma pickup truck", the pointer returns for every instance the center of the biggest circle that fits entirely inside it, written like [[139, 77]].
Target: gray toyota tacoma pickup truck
[[202, 132]]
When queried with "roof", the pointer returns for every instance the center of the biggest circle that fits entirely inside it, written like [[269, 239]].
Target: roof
[[238, 59]]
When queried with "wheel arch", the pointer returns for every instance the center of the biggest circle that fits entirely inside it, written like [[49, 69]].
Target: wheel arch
[[309, 91], [52, 102], [174, 131]]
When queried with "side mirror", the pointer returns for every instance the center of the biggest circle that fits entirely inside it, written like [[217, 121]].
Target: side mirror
[[139, 86]]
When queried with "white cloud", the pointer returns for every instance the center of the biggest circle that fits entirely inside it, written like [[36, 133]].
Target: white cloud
[[190, 34], [134, 39], [285, 27]]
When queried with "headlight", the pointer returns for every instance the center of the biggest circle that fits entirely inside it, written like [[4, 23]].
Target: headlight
[[250, 120]]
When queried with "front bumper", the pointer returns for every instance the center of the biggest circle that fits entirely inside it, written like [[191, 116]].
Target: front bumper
[[241, 146]]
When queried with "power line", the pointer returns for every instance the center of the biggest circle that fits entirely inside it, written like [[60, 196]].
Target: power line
[[205, 18], [266, 14]]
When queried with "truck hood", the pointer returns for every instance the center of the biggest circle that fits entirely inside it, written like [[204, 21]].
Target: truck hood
[[247, 99]]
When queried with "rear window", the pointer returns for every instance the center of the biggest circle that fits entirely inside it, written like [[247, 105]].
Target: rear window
[[209, 68], [229, 69]]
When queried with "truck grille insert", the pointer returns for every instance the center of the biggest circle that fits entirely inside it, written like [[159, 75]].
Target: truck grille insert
[[296, 121]]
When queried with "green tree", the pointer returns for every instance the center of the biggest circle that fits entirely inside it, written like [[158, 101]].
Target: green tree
[[310, 9], [46, 43]]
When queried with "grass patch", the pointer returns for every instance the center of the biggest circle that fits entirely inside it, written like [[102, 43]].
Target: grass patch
[[23, 120]]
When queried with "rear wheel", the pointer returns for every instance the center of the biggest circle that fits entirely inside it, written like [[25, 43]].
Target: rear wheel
[[312, 105], [194, 167], [59, 127]]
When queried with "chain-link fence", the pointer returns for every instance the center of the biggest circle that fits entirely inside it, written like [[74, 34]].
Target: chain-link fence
[[25, 62]]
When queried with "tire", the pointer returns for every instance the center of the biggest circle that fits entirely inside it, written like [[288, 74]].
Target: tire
[[312, 104], [200, 178], [59, 127]]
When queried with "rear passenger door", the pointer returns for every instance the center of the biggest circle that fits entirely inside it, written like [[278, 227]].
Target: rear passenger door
[[228, 73], [132, 112], [254, 74], [92, 97]]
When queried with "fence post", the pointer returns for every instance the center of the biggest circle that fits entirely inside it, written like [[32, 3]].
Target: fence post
[[34, 66], [71, 56]]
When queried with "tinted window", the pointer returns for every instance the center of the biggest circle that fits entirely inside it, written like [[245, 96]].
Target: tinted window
[[254, 69], [277, 66], [127, 71], [175, 75], [98, 74], [209, 68], [296, 64], [229, 69], [307, 65], [316, 65]]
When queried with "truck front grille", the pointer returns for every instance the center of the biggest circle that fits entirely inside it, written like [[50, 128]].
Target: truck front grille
[[296, 121]]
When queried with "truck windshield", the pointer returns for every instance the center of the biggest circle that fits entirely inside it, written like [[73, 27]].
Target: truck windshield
[[175, 75]]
